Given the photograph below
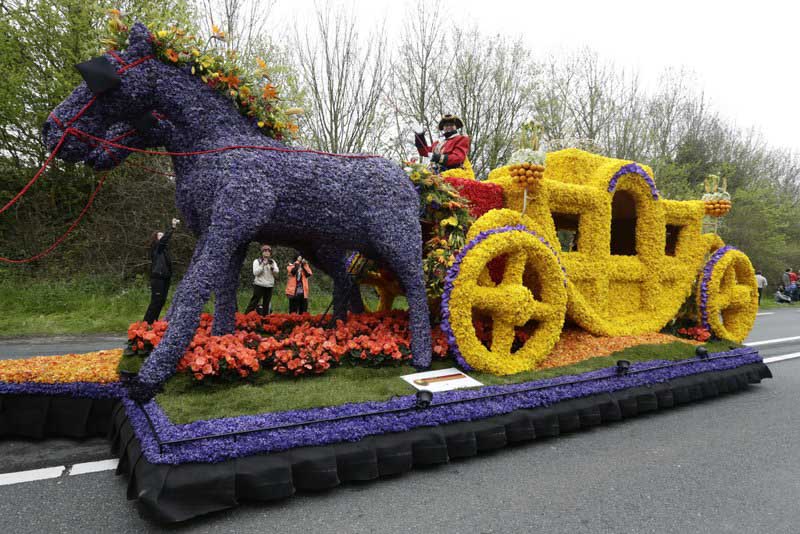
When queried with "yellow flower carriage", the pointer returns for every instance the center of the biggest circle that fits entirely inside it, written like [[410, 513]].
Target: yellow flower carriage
[[596, 245]]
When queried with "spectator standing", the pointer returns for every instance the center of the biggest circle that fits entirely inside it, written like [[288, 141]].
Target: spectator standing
[[785, 278], [264, 271], [761, 281], [297, 285], [160, 272]]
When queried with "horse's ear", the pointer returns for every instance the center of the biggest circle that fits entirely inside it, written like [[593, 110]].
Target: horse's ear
[[140, 40]]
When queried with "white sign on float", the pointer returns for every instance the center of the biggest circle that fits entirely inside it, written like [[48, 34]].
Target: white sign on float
[[441, 380]]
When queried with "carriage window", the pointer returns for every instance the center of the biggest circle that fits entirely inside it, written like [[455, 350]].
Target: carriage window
[[673, 234], [567, 230], [623, 224]]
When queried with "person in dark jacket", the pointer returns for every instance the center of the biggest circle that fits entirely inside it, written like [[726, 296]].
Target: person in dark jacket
[[160, 272]]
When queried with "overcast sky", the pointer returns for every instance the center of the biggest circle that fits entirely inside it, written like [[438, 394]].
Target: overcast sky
[[743, 54]]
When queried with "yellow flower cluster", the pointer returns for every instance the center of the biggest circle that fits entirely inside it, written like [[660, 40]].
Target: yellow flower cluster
[[465, 171], [99, 367]]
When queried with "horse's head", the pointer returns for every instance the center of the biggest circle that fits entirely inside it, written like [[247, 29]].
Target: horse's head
[[118, 87], [151, 131]]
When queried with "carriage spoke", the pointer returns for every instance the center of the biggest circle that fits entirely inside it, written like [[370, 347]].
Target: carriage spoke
[[723, 299], [515, 267], [511, 302], [538, 310], [739, 297], [502, 337], [485, 279]]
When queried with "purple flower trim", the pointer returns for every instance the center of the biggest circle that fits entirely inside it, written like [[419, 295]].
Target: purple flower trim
[[707, 271], [633, 168], [557, 389], [452, 274], [89, 390]]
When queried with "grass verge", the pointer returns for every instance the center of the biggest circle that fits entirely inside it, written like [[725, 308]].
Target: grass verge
[[185, 401], [99, 305]]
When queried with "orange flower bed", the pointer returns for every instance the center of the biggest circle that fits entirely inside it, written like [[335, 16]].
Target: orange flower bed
[[290, 344], [577, 345], [99, 367]]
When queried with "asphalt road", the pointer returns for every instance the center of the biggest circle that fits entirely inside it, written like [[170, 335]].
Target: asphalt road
[[724, 465]]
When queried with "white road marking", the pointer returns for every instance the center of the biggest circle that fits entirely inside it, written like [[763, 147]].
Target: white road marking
[[7, 479], [94, 467], [782, 357], [765, 313], [770, 341]]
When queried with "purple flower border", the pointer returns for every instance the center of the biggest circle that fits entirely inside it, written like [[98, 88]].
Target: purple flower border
[[91, 390], [452, 274], [555, 390], [633, 168], [708, 269]]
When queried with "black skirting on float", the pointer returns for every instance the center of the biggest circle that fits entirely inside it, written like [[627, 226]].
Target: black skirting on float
[[174, 493], [40, 416]]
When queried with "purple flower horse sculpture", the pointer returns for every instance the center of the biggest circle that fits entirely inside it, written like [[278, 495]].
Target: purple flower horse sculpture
[[229, 198], [161, 133]]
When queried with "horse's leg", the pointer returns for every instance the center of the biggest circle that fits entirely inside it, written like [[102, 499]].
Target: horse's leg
[[356, 302], [225, 305], [200, 280], [197, 249], [402, 250], [346, 293]]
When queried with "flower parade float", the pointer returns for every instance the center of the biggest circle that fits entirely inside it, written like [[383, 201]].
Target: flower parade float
[[549, 283]]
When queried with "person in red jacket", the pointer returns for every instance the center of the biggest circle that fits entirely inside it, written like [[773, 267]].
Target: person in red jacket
[[447, 154]]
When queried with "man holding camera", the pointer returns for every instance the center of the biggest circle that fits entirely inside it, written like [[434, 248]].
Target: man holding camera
[[264, 271], [297, 285], [160, 272], [449, 153]]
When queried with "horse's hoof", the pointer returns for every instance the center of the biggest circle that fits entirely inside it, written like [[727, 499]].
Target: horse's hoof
[[140, 391]]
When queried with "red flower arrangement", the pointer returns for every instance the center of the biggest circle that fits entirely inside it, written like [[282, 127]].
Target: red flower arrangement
[[698, 333], [290, 344], [482, 196]]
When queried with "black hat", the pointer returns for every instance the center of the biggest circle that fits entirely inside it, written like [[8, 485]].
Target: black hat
[[450, 119], [99, 74]]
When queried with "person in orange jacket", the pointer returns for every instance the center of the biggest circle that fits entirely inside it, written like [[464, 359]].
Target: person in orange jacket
[[297, 285], [447, 154]]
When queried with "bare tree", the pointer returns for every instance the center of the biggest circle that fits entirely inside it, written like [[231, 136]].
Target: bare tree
[[492, 84], [418, 71], [242, 21], [344, 81]]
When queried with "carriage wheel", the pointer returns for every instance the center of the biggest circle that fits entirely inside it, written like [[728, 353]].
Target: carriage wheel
[[526, 307], [728, 295]]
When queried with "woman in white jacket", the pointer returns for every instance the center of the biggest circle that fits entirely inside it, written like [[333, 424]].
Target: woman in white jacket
[[264, 271]]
